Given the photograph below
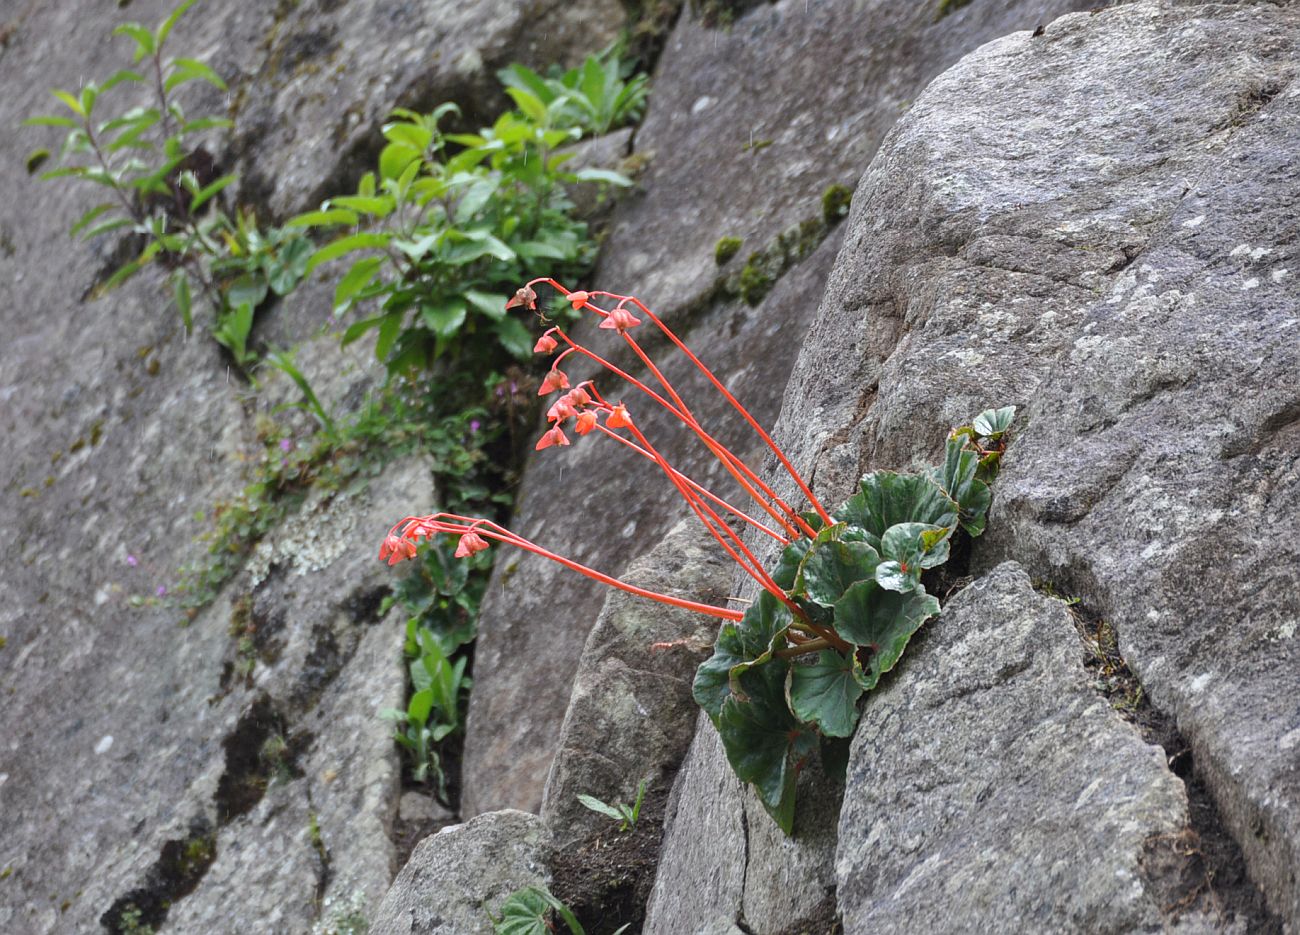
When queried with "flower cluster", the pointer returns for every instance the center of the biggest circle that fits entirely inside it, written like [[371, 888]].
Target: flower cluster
[[586, 410]]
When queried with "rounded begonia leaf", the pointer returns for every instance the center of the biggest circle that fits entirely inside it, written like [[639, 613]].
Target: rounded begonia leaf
[[827, 692]]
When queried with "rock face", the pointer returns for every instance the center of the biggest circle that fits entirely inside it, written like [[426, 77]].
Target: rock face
[[118, 430], [456, 876], [747, 128], [992, 788], [631, 715], [1053, 224]]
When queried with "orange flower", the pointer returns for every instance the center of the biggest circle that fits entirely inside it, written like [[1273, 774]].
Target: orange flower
[[545, 344], [562, 410], [577, 298], [470, 543], [554, 380], [586, 422], [620, 319], [524, 297], [578, 397], [396, 549], [619, 419], [553, 436]]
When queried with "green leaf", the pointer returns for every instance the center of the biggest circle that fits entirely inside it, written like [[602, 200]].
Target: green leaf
[[887, 498], [764, 742], [49, 121], [475, 197], [833, 564], [205, 194], [491, 304], [73, 104], [358, 278], [528, 103], [181, 290], [376, 205], [395, 158], [827, 692], [193, 68], [359, 328], [787, 566], [145, 43], [89, 217], [199, 124], [330, 217], [249, 289], [992, 423], [596, 805], [524, 913], [444, 318], [514, 337], [881, 622], [420, 705], [344, 245], [739, 646], [120, 77], [603, 175], [411, 135], [957, 478], [170, 22], [122, 274], [389, 328]]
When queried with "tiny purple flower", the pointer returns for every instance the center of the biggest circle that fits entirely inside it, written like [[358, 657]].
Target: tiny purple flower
[[162, 590], [285, 444], [132, 561], [475, 425]]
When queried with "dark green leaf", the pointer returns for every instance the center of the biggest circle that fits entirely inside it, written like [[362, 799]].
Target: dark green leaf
[[833, 564], [827, 692], [514, 337], [181, 290], [764, 742], [991, 423], [740, 644], [886, 499], [881, 622], [358, 277]]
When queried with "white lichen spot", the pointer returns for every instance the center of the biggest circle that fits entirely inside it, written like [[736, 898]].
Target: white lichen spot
[[101, 597], [1279, 274], [1289, 740], [629, 529], [1249, 284], [1195, 222], [1153, 549], [105, 744], [1284, 632], [1198, 684], [968, 356], [4, 778], [701, 104], [316, 538]]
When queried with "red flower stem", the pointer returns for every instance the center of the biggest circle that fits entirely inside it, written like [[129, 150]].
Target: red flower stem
[[491, 530], [754, 567], [699, 488], [732, 463], [719, 452], [739, 408]]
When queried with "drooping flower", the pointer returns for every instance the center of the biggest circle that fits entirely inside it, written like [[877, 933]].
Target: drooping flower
[[561, 410], [470, 543], [620, 319], [619, 419], [396, 549], [586, 422], [524, 297], [578, 397], [554, 380], [553, 436], [577, 298], [545, 344]]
